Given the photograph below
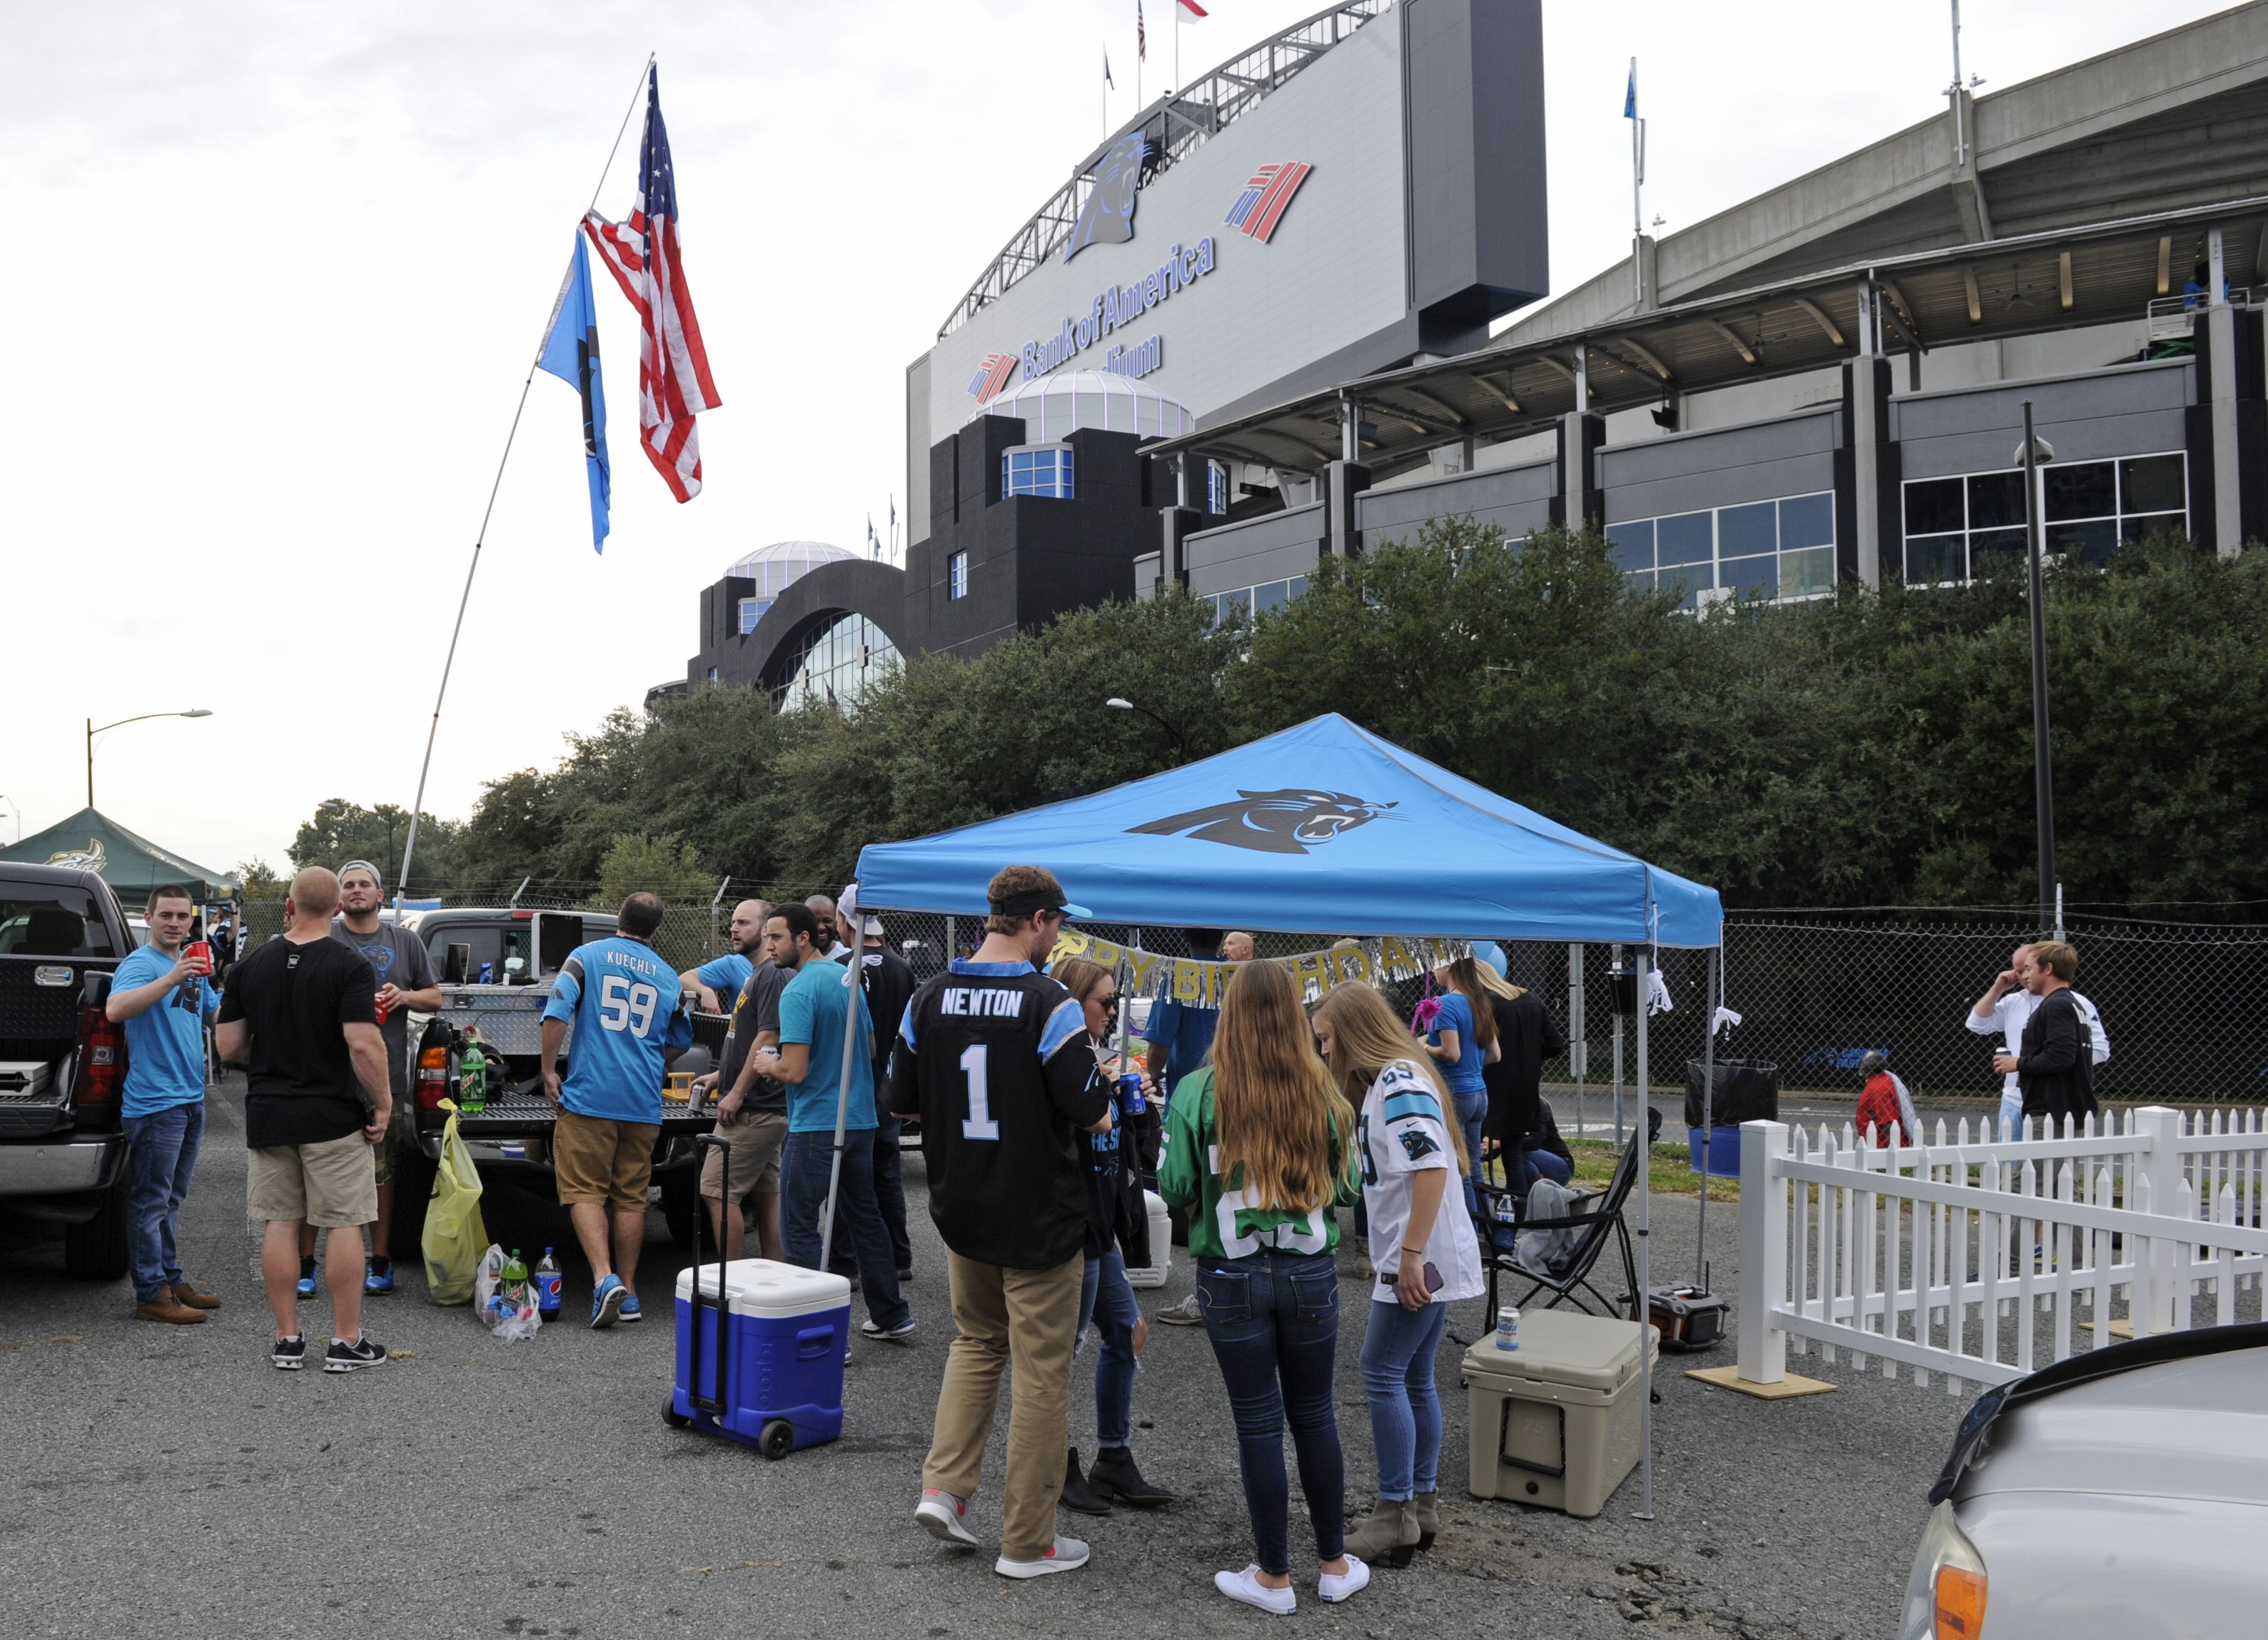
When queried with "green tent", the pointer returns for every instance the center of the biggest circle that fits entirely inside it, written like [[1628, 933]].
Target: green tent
[[132, 866]]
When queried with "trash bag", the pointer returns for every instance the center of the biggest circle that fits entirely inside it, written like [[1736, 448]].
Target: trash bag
[[1748, 1089], [455, 1234], [506, 1309]]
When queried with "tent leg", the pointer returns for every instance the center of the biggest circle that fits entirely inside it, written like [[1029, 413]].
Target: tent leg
[[1577, 1029], [851, 1034], [1713, 992], [1645, 1271]]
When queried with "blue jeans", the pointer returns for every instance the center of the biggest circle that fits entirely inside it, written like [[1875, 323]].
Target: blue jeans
[[1273, 1319], [804, 1163], [1550, 1165], [1472, 1109], [165, 1154], [1106, 1298], [1405, 1413]]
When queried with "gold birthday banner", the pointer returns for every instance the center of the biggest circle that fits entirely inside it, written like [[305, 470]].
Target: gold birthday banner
[[1195, 984]]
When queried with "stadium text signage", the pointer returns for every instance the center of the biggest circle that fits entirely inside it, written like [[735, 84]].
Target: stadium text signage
[[1119, 305]]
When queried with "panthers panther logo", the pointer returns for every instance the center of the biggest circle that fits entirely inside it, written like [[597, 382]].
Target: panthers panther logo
[[1107, 217], [1271, 822]]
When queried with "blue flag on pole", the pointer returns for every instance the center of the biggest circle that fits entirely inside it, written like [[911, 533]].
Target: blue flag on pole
[[1630, 97], [571, 352]]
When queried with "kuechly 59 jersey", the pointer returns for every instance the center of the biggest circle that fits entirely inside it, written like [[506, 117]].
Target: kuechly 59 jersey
[[625, 1005]]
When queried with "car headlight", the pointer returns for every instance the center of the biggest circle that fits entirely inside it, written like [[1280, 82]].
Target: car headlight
[[1944, 1596]]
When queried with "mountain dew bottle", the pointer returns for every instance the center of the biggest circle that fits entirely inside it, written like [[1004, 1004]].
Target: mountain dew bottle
[[472, 1076], [513, 1284]]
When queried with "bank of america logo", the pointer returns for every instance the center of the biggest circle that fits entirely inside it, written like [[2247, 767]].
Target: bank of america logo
[[992, 373], [1266, 198]]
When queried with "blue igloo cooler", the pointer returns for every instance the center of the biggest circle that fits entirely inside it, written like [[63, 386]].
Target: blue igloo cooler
[[771, 1374]]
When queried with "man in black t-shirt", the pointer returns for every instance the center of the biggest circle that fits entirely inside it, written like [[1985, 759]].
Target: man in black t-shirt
[[300, 1014], [994, 1056], [889, 981]]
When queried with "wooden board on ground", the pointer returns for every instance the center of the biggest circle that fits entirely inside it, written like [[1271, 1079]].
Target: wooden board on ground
[[1787, 1389]]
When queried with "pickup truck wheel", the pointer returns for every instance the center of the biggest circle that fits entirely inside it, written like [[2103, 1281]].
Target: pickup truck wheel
[[680, 1206], [414, 1173], [96, 1250]]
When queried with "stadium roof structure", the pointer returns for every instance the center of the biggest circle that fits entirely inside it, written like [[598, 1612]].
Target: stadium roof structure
[[2082, 197]]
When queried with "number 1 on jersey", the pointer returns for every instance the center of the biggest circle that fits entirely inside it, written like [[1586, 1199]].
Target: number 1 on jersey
[[980, 1124]]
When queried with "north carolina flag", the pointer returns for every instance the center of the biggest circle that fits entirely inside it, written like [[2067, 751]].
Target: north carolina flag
[[1193, 8]]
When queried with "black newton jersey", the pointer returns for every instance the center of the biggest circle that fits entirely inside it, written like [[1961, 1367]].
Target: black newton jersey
[[996, 1060]]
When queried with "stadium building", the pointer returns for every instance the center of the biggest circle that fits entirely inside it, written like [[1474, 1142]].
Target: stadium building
[[1253, 330]]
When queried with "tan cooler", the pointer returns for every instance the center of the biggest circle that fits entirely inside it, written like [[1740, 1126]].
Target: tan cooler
[[1556, 1422]]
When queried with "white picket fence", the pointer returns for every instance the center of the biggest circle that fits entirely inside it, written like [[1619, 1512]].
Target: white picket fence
[[1982, 1260]]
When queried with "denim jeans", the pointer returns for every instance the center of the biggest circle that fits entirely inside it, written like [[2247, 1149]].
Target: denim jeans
[[1405, 1412], [1273, 1319], [1472, 1109], [165, 1154], [804, 1163], [1106, 1298], [1550, 1165], [890, 1193]]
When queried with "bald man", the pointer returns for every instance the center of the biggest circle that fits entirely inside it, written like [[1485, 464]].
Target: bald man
[[716, 984], [832, 941], [300, 1014], [1236, 946]]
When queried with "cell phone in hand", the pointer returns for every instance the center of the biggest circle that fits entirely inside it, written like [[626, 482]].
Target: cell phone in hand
[[1433, 1279]]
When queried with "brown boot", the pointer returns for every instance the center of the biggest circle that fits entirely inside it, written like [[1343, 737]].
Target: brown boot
[[165, 1307], [1426, 1507], [1389, 1538], [183, 1293]]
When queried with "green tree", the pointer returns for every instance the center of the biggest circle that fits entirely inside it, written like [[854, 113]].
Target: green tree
[[663, 865], [258, 880], [339, 830]]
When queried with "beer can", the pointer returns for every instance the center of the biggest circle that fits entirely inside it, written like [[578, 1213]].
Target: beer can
[[1129, 1094]]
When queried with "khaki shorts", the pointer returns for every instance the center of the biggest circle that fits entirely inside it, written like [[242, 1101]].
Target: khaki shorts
[[756, 1139], [600, 1160], [328, 1185]]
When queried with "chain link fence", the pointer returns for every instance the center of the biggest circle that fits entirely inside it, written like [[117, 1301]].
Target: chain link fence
[[1815, 991]]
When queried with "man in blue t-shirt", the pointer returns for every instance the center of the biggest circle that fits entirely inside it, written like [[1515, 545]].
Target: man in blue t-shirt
[[716, 984], [625, 1005], [163, 997], [815, 1012]]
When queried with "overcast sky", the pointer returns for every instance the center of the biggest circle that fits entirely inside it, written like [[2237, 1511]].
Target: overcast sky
[[278, 271]]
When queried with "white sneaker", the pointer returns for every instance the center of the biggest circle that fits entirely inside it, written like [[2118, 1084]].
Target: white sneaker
[[1246, 1586], [1337, 1586], [945, 1518], [1186, 1313], [1063, 1555], [899, 1334]]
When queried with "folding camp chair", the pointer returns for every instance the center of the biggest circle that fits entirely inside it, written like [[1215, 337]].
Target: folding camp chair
[[1600, 1222]]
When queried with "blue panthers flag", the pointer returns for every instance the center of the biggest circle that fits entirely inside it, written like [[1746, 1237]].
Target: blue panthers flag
[[1630, 96], [571, 352]]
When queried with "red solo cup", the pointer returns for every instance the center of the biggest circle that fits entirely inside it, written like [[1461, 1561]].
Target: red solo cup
[[200, 951], [381, 1007]]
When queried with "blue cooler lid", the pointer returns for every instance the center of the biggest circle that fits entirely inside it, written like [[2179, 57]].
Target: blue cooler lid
[[764, 1289]]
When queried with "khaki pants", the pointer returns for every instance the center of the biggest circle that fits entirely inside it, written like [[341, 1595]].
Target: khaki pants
[[1003, 1315]]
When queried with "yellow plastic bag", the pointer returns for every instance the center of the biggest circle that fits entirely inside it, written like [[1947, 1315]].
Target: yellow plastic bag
[[455, 1237]]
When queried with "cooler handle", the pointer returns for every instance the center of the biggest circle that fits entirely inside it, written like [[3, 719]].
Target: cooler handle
[[714, 1403], [1503, 1434], [813, 1341]]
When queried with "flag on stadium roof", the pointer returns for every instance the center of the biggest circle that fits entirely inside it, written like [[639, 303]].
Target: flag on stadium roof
[[1630, 97], [1193, 8], [642, 254]]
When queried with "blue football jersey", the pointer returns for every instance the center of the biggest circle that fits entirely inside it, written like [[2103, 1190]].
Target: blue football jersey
[[625, 1006]]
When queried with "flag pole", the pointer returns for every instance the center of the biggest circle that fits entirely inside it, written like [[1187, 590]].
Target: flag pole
[[448, 665]]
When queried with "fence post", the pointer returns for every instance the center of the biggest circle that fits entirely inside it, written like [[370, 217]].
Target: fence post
[[2151, 1308], [1764, 1252]]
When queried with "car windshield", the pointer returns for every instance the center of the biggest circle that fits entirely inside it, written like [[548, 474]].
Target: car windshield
[[37, 920]]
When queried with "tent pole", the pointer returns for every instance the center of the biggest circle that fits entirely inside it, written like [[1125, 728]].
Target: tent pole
[[1618, 1046], [1641, 1302], [1713, 993], [842, 1103], [1579, 1050]]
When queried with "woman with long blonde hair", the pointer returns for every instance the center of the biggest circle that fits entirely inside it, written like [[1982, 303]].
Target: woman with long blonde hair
[[1462, 1042], [1259, 1147], [1423, 1247]]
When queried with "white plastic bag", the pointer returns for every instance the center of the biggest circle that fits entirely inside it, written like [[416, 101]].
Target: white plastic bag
[[508, 1311]]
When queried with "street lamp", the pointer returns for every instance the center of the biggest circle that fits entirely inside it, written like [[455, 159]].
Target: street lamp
[[195, 711], [2029, 455], [1118, 703]]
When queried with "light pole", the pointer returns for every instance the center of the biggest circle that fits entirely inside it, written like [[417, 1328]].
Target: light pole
[[1119, 703], [2034, 451], [195, 711]]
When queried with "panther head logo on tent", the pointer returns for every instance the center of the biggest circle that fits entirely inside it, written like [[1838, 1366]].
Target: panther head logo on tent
[[1271, 822]]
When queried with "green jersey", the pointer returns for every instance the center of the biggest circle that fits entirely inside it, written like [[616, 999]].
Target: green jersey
[[1223, 1224]]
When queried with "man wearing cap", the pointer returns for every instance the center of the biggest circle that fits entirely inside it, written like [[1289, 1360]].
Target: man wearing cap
[[889, 982], [405, 980], [995, 1057]]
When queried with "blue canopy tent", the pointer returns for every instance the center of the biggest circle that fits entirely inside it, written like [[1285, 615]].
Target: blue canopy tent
[[1327, 829]]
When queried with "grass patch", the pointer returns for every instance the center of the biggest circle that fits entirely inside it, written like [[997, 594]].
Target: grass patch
[[1671, 1173]]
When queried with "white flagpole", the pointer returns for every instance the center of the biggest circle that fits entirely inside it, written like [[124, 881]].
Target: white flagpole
[[417, 803]]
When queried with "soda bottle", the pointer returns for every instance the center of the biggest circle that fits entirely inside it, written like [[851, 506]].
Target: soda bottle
[[513, 1283], [546, 1285], [472, 1076]]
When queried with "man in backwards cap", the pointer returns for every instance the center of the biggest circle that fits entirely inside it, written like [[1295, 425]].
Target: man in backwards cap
[[994, 1058]]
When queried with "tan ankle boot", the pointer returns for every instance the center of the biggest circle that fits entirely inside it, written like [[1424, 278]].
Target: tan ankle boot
[[1426, 1507], [165, 1307], [1388, 1537]]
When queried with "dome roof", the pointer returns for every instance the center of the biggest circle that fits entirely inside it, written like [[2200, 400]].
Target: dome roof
[[1054, 406], [774, 567]]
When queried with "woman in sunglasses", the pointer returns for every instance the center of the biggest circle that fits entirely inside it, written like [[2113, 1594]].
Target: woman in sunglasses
[[1117, 1233]]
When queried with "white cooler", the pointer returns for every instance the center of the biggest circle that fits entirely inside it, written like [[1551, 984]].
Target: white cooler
[[1161, 1245], [1556, 1422]]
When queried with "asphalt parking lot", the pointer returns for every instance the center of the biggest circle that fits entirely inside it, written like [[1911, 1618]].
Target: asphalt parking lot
[[168, 1481]]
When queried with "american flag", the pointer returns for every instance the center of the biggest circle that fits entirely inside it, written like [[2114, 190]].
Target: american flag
[[641, 253], [1141, 35]]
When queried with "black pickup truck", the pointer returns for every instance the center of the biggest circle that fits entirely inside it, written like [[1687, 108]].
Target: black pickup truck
[[62, 1064]]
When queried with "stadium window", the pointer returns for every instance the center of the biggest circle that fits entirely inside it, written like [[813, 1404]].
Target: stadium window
[[1763, 551], [1037, 470], [1953, 526], [956, 576], [1217, 488], [1251, 600]]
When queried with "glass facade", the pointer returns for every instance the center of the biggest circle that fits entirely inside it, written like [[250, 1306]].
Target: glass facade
[[837, 663], [1953, 525], [1251, 600], [956, 576], [1037, 470], [1762, 550]]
